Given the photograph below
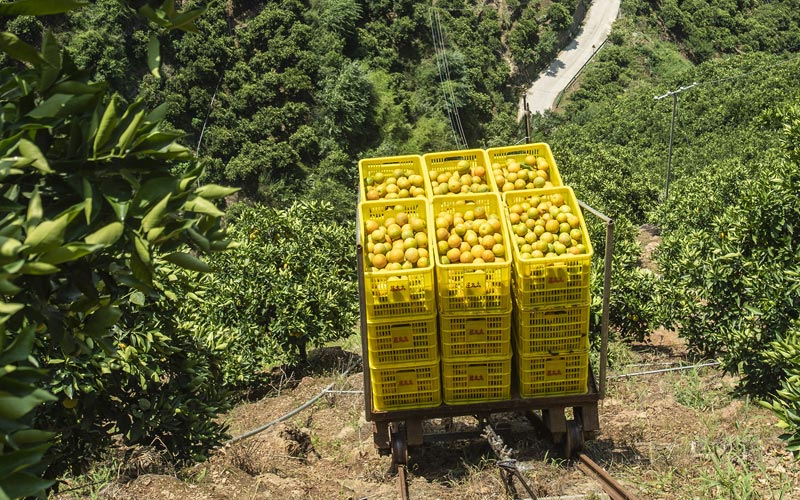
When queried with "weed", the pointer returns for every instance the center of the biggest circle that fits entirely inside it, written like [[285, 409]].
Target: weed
[[691, 392]]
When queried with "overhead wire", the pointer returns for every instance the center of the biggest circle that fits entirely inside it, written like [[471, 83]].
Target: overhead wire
[[450, 118], [443, 67], [453, 101]]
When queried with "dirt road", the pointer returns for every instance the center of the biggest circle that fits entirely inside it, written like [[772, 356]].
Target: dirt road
[[596, 27]]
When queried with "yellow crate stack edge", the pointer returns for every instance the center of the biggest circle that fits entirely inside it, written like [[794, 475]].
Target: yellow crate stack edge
[[474, 302], [402, 340], [551, 313]]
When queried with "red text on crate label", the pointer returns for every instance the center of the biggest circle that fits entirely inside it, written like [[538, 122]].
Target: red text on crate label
[[406, 381], [398, 289], [555, 369], [557, 276], [477, 375], [402, 336], [476, 328]]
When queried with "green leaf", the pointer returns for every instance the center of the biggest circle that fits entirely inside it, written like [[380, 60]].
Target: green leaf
[[19, 50], [40, 7], [156, 16], [214, 191], [10, 308], [9, 288], [28, 436], [154, 55], [103, 319], [14, 407], [185, 20], [21, 348], [31, 150], [38, 268], [107, 124], [52, 54], [23, 485], [137, 298], [9, 247], [157, 115], [155, 214], [127, 136], [47, 234], [201, 205], [35, 211], [88, 200], [106, 235], [51, 107], [69, 252], [143, 251], [17, 460], [72, 87], [188, 261]]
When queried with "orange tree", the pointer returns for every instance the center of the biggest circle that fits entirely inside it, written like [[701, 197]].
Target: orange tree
[[101, 224], [290, 285], [735, 269]]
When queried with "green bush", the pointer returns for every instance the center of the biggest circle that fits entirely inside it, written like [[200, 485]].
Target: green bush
[[93, 218], [734, 270], [291, 285]]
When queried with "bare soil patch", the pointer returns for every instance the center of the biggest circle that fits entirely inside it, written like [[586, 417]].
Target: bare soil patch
[[674, 435]]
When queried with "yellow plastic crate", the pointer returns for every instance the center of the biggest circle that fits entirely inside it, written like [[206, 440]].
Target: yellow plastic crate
[[552, 330], [404, 293], [519, 152], [553, 375], [476, 381], [551, 281], [388, 167], [472, 288], [396, 342], [406, 386], [448, 160], [466, 336]]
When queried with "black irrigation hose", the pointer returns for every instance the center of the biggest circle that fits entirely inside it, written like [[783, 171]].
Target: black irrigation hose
[[664, 370], [289, 415]]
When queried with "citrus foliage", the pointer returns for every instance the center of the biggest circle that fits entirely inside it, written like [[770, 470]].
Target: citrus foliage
[[93, 220], [291, 285]]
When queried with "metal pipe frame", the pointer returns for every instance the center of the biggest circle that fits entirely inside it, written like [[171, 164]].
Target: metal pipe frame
[[609, 253]]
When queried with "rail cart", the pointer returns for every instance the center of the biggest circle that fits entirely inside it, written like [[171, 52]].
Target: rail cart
[[396, 431]]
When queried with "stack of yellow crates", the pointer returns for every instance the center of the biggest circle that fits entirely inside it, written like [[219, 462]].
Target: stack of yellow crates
[[473, 294], [551, 324], [400, 299]]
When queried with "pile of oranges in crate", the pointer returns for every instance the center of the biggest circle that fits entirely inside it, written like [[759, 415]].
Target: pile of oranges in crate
[[472, 259]]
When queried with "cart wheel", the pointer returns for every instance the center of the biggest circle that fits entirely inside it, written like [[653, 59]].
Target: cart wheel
[[399, 447], [573, 439]]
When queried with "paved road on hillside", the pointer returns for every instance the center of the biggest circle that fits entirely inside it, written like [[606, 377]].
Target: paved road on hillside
[[595, 29]]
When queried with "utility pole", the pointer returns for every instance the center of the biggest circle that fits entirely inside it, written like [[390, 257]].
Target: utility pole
[[527, 118], [674, 95]]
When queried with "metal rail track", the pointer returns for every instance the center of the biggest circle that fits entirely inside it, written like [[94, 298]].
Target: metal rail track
[[511, 470], [615, 490]]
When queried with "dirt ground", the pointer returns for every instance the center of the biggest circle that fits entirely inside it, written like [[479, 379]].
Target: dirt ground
[[667, 435]]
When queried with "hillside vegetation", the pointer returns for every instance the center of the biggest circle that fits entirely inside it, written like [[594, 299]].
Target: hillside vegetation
[[136, 341]]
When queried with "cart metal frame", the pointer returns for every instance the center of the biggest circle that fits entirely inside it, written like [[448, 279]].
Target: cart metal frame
[[396, 430]]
